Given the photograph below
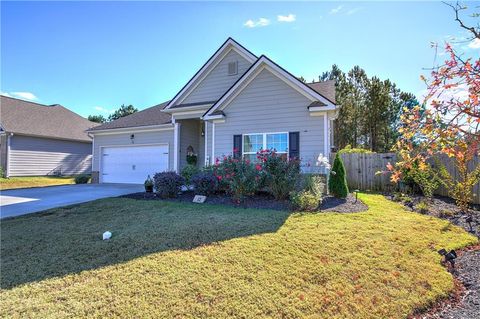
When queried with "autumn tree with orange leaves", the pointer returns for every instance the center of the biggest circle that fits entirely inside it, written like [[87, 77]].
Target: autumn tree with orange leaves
[[448, 124]]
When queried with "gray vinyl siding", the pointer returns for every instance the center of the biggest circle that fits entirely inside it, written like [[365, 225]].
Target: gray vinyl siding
[[218, 81], [3, 153], [268, 105], [123, 139], [189, 136], [31, 156]]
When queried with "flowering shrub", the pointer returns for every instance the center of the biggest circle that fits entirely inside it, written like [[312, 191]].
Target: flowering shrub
[[280, 174], [204, 183], [168, 184], [237, 177], [240, 177]]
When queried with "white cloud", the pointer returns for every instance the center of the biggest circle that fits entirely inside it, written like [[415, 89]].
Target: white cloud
[[24, 95], [103, 110], [336, 10], [352, 11], [262, 22], [475, 44], [290, 18], [21, 95], [459, 93]]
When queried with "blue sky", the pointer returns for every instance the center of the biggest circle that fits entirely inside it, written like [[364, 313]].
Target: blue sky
[[94, 56]]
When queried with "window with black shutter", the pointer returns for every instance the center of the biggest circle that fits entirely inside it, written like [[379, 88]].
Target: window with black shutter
[[294, 144], [237, 146]]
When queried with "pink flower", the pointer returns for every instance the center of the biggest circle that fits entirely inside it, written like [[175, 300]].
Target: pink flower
[[258, 167], [247, 161], [219, 177]]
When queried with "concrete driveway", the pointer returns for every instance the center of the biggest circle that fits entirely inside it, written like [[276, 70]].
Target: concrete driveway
[[18, 202]]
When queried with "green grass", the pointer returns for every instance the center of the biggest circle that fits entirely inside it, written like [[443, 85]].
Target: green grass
[[173, 260], [34, 181]]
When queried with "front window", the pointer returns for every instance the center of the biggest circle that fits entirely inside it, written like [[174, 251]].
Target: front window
[[253, 143]]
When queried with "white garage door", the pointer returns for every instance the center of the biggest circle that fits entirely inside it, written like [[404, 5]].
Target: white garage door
[[132, 164]]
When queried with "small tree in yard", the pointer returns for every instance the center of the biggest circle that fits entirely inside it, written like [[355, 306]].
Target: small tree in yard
[[337, 183], [450, 124]]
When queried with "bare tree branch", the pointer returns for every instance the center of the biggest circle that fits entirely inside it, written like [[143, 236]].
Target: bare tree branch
[[457, 8]]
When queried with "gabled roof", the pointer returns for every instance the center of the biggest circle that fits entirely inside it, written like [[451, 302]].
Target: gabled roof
[[325, 88], [151, 116], [264, 62], [55, 121], [210, 65]]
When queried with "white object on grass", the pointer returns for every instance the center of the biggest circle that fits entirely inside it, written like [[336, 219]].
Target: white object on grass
[[107, 235], [199, 199]]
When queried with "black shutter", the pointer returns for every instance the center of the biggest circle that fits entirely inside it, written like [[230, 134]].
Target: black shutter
[[237, 146], [294, 145]]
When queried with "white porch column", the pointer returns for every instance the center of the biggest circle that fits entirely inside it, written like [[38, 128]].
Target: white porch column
[[326, 136], [176, 147], [205, 157], [213, 142]]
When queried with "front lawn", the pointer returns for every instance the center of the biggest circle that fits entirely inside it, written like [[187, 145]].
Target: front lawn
[[181, 260], [34, 181]]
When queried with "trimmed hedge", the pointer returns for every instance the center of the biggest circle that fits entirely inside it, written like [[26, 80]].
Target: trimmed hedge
[[82, 179], [168, 184], [204, 183]]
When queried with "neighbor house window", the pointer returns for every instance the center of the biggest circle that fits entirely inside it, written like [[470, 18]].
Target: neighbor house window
[[253, 143]]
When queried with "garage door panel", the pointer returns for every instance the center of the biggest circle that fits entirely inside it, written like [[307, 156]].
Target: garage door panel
[[132, 164]]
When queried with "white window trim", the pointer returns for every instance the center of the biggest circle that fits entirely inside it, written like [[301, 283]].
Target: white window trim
[[264, 146]]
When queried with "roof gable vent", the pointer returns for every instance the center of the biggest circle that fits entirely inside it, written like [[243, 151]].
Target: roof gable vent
[[233, 68]]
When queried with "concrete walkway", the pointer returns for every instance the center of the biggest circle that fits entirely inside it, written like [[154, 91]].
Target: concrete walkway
[[18, 202]]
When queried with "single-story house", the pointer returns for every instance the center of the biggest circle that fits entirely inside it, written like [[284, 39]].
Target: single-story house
[[37, 139], [236, 104]]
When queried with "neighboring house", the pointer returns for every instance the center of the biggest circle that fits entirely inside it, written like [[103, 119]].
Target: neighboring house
[[237, 104], [38, 139]]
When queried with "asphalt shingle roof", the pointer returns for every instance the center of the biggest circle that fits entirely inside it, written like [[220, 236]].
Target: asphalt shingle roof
[[325, 88], [151, 116], [154, 115], [55, 121]]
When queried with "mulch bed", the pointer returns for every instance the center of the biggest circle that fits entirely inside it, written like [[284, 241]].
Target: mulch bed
[[464, 302], [445, 208], [262, 201], [347, 205]]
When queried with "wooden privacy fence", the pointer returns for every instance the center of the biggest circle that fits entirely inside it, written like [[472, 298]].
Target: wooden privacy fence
[[361, 172]]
